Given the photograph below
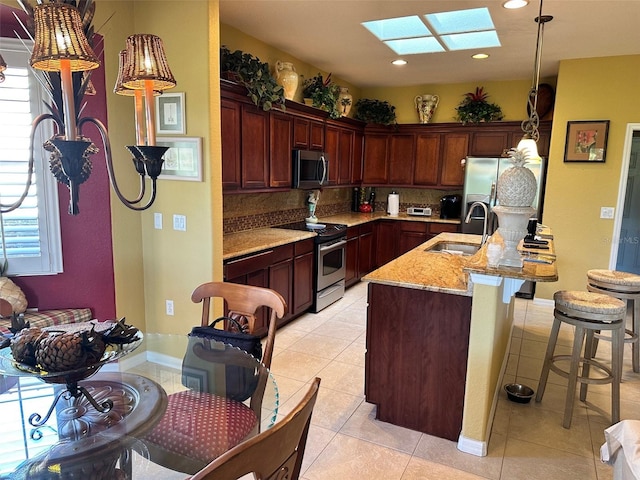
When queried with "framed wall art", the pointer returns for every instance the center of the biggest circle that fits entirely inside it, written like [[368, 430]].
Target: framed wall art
[[170, 117], [183, 160], [586, 141]]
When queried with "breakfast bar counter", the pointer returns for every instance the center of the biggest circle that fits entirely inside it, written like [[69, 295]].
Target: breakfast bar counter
[[438, 332]]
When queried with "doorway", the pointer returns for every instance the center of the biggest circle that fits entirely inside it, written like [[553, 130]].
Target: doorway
[[625, 251]]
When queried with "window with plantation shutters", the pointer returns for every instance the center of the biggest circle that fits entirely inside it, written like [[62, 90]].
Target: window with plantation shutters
[[31, 233]]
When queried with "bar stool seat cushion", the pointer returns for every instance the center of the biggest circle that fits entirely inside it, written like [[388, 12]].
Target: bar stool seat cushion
[[589, 302], [614, 277]]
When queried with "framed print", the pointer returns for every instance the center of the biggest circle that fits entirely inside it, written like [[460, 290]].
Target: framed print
[[586, 141], [170, 114], [183, 160]]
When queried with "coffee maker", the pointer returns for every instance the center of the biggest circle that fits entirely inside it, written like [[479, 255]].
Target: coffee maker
[[450, 206]]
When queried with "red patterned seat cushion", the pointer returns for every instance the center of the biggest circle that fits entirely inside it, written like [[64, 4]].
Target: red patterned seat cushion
[[201, 425]]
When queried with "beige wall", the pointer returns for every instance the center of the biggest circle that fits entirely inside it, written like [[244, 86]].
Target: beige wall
[[588, 89]]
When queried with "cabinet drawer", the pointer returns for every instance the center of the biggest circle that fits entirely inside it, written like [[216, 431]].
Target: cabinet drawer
[[436, 228], [418, 227], [353, 232], [284, 252], [241, 266], [302, 247], [366, 228]]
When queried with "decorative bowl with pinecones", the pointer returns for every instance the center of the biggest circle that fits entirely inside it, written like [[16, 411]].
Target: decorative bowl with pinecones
[[64, 354]]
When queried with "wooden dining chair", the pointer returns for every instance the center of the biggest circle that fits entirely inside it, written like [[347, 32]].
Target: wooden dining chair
[[189, 434], [244, 300], [273, 454]]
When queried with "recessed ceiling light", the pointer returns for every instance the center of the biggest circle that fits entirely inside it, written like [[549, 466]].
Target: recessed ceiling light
[[513, 4], [480, 56], [399, 62]]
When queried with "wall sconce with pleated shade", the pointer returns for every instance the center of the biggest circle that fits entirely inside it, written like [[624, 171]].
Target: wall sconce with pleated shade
[[531, 124], [63, 51]]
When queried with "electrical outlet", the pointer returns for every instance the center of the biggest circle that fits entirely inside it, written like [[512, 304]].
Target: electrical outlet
[[169, 307], [180, 223], [157, 221], [606, 212]]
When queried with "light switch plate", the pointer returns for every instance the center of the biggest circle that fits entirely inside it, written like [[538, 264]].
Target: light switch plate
[[169, 307], [180, 223], [606, 212], [157, 221]]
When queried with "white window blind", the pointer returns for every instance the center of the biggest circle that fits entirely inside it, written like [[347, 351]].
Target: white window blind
[[31, 232]]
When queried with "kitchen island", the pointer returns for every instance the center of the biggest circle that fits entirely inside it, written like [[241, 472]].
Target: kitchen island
[[438, 333]]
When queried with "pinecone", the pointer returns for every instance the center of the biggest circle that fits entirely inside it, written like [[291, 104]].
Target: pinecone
[[63, 351], [25, 343]]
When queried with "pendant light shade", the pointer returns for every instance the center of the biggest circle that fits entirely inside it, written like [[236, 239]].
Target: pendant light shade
[[59, 37], [146, 60]]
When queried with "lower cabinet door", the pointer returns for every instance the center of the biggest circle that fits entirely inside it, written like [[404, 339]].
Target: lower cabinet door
[[302, 283]]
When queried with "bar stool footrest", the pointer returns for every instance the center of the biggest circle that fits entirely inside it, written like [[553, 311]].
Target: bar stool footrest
[[587, 380]]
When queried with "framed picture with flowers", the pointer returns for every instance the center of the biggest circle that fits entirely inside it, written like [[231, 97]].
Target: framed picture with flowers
[[586, 141]]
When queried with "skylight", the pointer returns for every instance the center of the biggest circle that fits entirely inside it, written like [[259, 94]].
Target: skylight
[[437, 32]]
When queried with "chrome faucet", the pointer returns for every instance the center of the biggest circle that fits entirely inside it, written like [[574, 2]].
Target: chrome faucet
[[485, 236]]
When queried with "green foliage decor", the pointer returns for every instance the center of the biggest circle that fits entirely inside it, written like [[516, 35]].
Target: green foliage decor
[[375, 111], [323, 94], [255, 76], [476, 109]]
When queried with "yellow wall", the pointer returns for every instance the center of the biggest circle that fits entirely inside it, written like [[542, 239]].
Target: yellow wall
[[152, 265], [588, 89], [511, 96], [234, 39]]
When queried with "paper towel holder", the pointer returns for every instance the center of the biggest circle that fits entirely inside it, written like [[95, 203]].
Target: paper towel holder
[[393, 204]]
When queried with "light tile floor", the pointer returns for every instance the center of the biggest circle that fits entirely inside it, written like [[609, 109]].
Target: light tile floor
[[527, 440]]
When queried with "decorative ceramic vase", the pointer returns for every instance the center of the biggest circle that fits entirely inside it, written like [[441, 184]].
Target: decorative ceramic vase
[[345, 100], [287, 77], [512, 223], [426, 105], [517, 185]]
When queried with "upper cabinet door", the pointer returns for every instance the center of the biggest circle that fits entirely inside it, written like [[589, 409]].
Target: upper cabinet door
[[401, 158], [255, 147], [230, 133], [376, 148], [425, 169], [454, 150], [280, 128]]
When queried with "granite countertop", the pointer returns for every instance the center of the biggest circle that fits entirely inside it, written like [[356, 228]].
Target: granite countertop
[[449, 273], [251, 241]]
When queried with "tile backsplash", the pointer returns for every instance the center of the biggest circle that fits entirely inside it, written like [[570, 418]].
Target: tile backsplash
[[259, 210]]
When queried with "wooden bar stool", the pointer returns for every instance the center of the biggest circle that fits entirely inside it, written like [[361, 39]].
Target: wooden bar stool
[[588, 312], [626, 287]]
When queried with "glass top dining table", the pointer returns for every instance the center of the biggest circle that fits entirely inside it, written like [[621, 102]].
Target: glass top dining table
[[125, 426]]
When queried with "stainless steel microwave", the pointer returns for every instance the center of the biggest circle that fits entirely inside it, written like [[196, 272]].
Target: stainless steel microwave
[[310, 169]]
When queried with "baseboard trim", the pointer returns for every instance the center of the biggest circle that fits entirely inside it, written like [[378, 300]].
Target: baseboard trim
[[473, 447]]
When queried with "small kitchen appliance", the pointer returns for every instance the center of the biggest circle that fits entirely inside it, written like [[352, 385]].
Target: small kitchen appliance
[[419, 211], [450, 206], [393, 204]]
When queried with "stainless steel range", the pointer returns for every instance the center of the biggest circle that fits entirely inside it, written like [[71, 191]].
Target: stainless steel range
[[330, 261]]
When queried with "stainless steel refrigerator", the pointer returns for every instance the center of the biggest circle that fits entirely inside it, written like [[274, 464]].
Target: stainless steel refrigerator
[[480, 181]]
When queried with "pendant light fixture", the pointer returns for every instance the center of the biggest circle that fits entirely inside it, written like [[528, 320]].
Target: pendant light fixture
[[531, 124], [64, 53]]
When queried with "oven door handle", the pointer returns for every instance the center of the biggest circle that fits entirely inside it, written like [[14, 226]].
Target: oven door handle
[[333, 246]]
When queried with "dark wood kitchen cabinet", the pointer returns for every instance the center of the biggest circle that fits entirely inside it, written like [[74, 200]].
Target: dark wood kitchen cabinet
[[401, 158], [280, 134], [427, 163], [385, 249], [411, 235], [376, 148], [308, 134], [359, 252], [230, 135], [272, 268], [302, 276], [356, 166], [254, 140], [455, 148], [340, 148]]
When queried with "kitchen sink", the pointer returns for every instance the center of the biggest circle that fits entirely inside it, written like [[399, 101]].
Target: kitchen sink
[[454, 248]]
